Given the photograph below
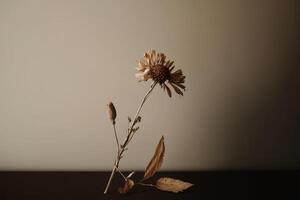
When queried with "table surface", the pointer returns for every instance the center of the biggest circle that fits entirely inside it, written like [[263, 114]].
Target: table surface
[[90, 185]]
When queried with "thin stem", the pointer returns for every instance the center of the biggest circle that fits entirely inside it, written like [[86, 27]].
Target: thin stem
[[142, 103], [116, 136], [124, 177], [115, 167], [146, 184], [128, 138], [110, 179], [137, 113], [131, 137]]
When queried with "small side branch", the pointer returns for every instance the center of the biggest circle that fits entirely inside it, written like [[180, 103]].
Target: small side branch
[[119, 171]]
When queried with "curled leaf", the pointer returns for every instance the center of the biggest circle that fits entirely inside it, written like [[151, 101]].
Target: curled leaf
[[156, 160], [172, 185], [127, 186]]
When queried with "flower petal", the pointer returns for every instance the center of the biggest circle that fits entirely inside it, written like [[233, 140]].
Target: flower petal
[[140, 76], [177, 90], [170, 64], [180, 85], [169, 91]]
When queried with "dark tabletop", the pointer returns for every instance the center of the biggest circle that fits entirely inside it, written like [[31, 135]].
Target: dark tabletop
[[208, 185]]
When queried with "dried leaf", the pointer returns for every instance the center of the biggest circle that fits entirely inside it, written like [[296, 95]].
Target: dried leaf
[[127, 186], [172, 185], [156, 160], [129, 119]]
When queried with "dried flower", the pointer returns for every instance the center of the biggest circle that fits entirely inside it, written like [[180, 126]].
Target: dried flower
[[112, 113], [154, 66]]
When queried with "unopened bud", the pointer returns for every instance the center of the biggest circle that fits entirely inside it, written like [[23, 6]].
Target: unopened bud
[[112, 113]]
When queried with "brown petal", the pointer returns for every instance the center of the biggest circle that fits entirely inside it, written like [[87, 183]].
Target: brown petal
[[171, 69], [177, 90], [172, 185], [146, 55], [177, 78], [156, 160], [153, 52], [162, 57], [141, 66], [169, 91], [180, 85], [170, 64]]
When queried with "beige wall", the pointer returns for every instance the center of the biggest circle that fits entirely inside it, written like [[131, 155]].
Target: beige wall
[[62, 61]]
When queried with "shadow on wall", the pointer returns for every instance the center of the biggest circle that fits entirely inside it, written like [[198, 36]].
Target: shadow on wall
[[269, 127]]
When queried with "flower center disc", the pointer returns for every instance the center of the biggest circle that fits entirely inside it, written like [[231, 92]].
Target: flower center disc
[[160, 73]]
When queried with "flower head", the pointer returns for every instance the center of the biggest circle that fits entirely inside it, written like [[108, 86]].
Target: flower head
[[111, 111], [155, 66]]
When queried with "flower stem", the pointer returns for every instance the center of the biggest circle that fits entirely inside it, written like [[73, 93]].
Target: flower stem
[[121, 173], [146, 184], [116, 137], [128, 138], [110, 179]]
